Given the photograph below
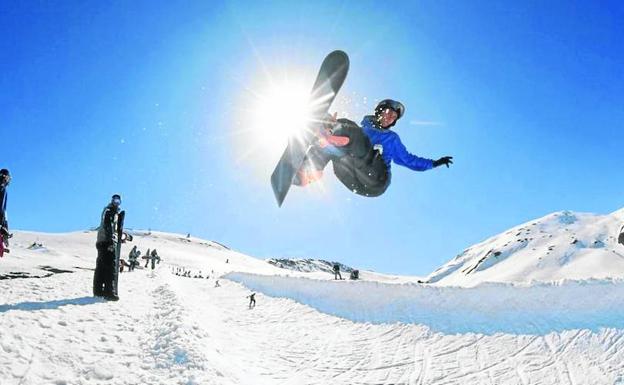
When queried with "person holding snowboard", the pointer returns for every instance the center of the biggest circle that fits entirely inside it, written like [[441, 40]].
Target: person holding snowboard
[[362, 156], [106, 271], [147, 258], [5, 179]]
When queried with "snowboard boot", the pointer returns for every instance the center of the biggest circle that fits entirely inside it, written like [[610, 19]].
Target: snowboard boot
[[325, 133], [333, 140], [111, 297]]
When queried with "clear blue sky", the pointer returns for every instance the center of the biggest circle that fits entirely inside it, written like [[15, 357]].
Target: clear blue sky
[[152, 100]]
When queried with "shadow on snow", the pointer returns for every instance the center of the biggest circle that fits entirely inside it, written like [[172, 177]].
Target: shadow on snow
[[50, 305]]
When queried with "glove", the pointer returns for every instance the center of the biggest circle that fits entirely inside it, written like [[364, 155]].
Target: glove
[[445, 160]]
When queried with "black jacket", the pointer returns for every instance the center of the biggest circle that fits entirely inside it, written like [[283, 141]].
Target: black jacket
[[108, 232]]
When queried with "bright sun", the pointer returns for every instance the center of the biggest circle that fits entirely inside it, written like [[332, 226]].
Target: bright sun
[[281, 111]]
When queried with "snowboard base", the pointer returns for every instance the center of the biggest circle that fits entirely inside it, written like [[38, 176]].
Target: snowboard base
[[328, 82]]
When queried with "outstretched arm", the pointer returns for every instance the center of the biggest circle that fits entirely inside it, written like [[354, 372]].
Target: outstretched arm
[[404, 158]]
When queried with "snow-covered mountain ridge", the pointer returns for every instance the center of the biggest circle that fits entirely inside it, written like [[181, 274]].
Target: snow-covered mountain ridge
[[558, 246], [308, 264]]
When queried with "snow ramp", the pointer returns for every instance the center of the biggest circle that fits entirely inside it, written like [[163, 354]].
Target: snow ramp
[[487, 309]]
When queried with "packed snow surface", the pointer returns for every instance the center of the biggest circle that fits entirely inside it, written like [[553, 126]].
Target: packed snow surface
[[511, 320]]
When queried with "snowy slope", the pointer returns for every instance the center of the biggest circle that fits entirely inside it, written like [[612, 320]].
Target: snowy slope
[[305, 329], [562, 245]]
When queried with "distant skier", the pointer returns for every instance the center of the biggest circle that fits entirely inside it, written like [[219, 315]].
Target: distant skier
[[217, 284], [5, 179], [362, 156], [337, 271], [106, 271], [252, 300]]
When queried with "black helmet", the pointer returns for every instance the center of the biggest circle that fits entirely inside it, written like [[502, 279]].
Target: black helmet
[[389, 103], [398, 107], [5, 176], [116, 199]]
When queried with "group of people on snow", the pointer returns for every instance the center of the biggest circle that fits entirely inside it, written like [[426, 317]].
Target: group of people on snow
[[188, 273], [133, 259], [152, 257]]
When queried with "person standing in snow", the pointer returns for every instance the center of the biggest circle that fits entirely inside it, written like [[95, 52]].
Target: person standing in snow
[[362, 156], [5, 179], [147, 258], [132, 257], [337, 271], [154, 257], [252, 300], [106, 271]]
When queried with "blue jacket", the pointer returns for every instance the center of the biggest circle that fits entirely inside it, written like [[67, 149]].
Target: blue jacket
[[393, 148]]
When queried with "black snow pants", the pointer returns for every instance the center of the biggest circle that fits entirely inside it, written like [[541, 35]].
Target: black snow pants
[[357, 165], [106, 273]]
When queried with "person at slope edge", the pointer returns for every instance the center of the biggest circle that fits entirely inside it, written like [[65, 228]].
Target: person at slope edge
[[362, 156], [5, 179], [106, 269]]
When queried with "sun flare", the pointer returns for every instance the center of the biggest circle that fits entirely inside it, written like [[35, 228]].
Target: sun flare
[[280, 112]]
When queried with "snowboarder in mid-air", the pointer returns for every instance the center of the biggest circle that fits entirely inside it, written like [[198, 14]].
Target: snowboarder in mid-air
[[5, 179], [362, 156]]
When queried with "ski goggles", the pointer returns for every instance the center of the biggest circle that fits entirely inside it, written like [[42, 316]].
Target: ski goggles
[[116, 201], [398, 107]]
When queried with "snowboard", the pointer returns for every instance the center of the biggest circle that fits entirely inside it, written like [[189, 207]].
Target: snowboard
[[328, 82], [120, 224]]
